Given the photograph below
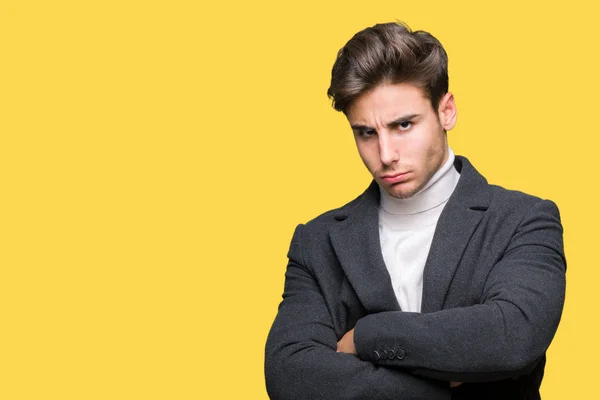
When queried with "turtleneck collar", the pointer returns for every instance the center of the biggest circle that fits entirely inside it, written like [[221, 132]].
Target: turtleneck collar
[[436, 192]]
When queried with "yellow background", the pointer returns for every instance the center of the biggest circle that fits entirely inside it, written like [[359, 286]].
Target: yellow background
[[155, 157]]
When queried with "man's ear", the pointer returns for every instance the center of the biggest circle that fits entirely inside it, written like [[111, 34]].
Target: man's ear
[[447, 112]]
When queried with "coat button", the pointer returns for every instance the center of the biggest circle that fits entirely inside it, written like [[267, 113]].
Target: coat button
[[391, 354], [384, 354], [401, 354], [376, 355]]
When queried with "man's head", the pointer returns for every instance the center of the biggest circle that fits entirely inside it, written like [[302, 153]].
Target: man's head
[[392, 85], [388, 53]]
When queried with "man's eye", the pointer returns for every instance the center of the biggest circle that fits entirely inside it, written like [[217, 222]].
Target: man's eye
[[367, 133], [404, 125]]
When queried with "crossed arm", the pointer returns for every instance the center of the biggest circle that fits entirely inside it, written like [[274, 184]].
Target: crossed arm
[[501, 337], [301, 361]]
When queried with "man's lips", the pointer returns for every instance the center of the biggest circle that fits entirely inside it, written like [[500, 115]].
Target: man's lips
[[395, 178]]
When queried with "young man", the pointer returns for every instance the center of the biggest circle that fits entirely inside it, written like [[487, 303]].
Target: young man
[[432, 284]]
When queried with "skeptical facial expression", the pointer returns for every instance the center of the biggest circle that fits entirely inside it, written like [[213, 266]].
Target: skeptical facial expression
[[400, 138]]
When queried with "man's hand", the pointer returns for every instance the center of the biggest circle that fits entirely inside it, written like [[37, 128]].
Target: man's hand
[[346, 343]]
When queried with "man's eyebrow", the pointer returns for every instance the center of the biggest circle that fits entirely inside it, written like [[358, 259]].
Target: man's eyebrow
[[399, 120], [360, 127], [390, 124]]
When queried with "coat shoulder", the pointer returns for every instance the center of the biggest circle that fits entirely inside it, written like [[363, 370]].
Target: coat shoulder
[[323, 221], [508, 200]]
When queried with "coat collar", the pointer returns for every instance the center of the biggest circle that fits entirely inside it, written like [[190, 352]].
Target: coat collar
[[355, 239]]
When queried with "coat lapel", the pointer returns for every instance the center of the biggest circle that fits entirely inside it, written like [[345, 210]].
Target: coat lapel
[[458, 221], [355, 239]]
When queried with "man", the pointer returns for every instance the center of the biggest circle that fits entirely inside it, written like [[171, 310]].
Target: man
[[432, 284]]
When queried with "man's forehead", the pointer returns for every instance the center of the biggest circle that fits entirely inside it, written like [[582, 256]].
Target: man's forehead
[[387, 102]]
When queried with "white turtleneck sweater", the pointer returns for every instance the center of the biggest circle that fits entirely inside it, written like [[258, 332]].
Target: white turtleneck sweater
[[406, 228]]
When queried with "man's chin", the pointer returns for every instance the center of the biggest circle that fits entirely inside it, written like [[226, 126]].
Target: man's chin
[[400, 192], [402, 196]]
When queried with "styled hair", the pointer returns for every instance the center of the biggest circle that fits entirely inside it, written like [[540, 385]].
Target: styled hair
[[388, 53]]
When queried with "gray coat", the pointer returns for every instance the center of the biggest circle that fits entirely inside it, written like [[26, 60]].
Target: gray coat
[[493, 293]]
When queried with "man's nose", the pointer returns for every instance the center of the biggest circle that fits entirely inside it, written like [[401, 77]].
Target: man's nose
[[387, 150]]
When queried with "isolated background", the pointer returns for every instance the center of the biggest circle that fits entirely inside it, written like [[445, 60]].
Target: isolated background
[[155, 157]]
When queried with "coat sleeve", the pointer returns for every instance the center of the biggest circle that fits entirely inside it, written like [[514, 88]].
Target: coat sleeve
[[301, 361], [505, 335]]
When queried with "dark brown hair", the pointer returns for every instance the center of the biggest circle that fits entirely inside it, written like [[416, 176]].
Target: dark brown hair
[[388, 53]]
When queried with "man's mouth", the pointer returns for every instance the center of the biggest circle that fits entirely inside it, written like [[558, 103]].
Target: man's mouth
[[395, 178]]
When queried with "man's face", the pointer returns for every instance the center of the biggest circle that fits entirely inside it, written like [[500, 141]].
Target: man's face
[[399, 136]]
